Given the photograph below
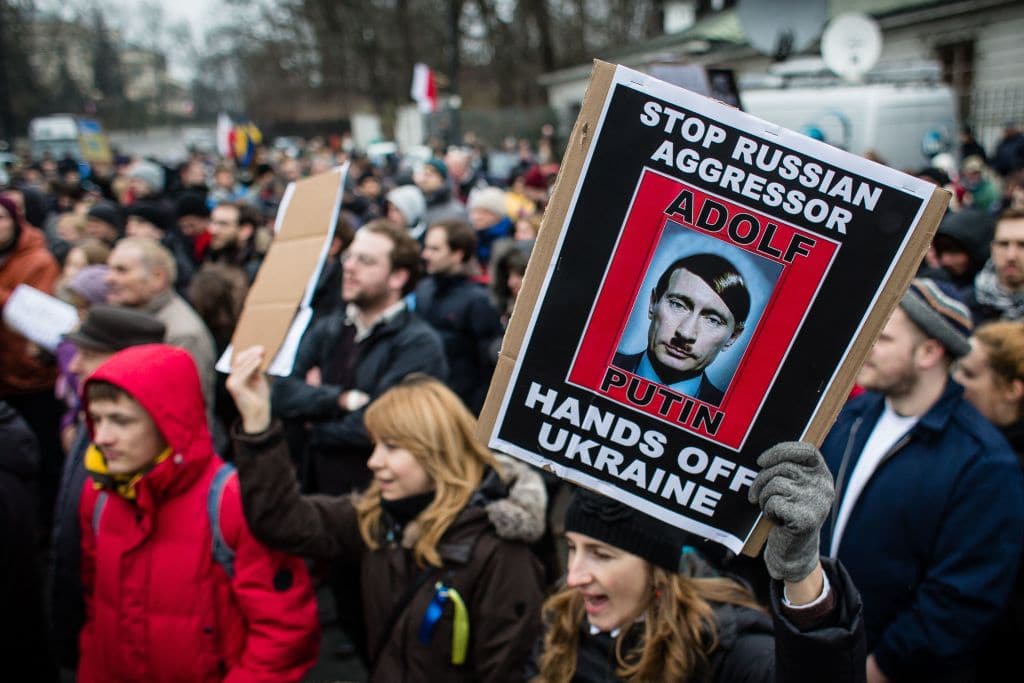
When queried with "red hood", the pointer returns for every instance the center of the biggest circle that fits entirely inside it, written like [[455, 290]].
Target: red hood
[[165, 382]]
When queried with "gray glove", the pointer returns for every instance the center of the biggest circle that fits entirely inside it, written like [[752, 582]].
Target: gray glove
[[794, 490]]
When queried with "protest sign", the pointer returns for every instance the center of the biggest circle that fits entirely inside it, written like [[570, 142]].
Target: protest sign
[[704, 285], [277, 307], [39, 317]]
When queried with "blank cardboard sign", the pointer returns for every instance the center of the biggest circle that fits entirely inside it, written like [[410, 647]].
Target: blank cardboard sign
[[291, 264]]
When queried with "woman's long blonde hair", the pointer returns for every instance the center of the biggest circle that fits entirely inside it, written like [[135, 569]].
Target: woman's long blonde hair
[[679, 629], [426, 418]]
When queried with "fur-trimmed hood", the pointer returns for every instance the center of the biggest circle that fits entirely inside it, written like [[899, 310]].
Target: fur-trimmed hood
[[521, 514], [515, 503]]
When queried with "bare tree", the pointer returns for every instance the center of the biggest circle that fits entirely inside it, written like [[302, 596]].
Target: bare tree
[[326, 58]]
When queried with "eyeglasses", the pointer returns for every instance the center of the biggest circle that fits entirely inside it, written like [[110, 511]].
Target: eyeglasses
[[361, 259]]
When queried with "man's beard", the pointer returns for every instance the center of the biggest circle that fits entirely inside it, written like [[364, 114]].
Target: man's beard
[[898, 386], [1013, 282], [231, 248], [369, 300]]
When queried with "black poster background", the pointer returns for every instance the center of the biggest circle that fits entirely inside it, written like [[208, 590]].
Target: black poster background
[[621, 151]]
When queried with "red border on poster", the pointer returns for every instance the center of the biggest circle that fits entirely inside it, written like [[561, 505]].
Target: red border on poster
[[795, 289]]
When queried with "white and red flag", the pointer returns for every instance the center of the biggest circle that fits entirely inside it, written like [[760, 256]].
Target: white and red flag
[[225, 136], [424, 88]]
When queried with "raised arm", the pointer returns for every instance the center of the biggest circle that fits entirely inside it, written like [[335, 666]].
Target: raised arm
[[278, 514], [819, 628]]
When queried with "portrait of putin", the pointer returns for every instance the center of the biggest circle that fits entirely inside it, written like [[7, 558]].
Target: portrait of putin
[[697, 309]]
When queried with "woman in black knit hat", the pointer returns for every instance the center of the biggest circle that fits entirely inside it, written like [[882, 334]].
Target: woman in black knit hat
[[639, 604]]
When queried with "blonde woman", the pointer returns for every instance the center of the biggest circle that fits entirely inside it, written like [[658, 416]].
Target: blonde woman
[[450, 589], [638, 606], [992, 375]]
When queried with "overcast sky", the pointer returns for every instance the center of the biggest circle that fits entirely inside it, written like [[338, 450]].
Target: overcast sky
[[199, 14], [126, 15]]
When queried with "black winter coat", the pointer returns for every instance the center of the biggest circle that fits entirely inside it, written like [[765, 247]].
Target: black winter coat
[[999, 654], [394, 349], [67, 605], [24, 650], [462, 313]]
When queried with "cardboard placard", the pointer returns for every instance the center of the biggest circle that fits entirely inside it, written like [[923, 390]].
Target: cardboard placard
[[704, 285], [290, 271]]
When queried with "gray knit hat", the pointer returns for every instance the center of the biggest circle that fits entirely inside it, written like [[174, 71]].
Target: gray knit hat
[[149, 173], [408, 199], [490, 199], [935, 308]]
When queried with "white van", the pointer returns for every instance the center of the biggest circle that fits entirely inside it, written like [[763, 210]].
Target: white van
[[905, 125], [66, 135]]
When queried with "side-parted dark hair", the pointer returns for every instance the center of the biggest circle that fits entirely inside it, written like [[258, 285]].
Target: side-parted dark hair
[[720, 275], [460, 236], [405, 252]]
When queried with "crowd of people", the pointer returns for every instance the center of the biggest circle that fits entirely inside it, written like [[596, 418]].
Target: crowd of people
[[166, 522]]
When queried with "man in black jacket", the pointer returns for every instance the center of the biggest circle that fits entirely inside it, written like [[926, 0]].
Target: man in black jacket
[[999, 286], [349, 358], [346, 360], [458, 309]]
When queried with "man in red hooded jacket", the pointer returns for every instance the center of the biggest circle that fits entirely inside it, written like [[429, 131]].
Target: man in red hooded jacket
[[160, 606]]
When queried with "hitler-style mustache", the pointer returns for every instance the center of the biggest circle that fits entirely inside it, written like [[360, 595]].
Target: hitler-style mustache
[[681, 343]]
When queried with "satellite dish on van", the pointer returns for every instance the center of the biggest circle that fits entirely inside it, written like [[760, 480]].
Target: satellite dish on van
[[782, 27], [851, 45]]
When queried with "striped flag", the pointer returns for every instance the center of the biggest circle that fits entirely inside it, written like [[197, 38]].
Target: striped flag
[[424, 88], [224, 134]]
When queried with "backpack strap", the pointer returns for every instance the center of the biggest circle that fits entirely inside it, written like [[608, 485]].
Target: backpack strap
[[223, 553], [97, 512]]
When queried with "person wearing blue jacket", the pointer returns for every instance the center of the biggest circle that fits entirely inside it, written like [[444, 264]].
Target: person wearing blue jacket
[[929, 513]]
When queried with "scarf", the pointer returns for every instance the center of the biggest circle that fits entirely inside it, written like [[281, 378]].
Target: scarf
[[121, 484], [404, 510], [989, 292]]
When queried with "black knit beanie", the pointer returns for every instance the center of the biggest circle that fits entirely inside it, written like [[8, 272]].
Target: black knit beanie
[[109, 213], [611, 522], [152, 212]]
